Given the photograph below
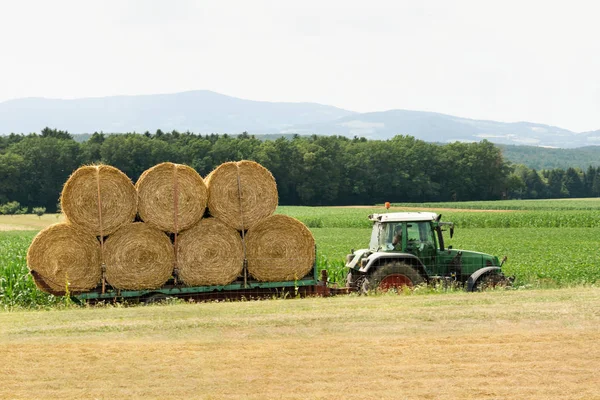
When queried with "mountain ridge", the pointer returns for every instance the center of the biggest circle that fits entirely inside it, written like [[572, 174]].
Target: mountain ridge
[[198, 110], [205, 111]]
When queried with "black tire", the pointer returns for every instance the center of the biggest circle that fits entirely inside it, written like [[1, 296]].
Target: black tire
[[155, 298], [491, 281], [394, 275], [361, 285]]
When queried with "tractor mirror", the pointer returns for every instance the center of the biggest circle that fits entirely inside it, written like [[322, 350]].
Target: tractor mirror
[[451, 232]]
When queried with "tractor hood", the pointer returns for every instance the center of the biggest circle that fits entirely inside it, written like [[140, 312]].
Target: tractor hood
[[468, 257]]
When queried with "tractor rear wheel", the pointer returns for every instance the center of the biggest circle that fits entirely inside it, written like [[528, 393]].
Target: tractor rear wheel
[[394, 276]]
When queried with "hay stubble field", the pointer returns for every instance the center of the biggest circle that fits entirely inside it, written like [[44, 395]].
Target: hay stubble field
[[502, 345]]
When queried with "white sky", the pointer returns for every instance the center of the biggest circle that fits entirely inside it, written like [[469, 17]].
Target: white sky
[[506, 60]]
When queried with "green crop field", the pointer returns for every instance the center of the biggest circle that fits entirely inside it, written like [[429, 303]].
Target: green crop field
[[549, 204], [538, 257], [16, 286], [346, 217], [549, 243]]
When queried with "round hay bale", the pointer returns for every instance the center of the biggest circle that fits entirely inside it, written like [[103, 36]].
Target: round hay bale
[[138, 256], [280, 248], [62, 255], [79, 199], [210, 253], [156, 190], [258, 193]]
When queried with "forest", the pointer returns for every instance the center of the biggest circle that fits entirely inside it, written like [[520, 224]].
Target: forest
[[309, 170]]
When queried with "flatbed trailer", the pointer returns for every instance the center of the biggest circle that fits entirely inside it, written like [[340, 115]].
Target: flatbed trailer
[[244, 287]]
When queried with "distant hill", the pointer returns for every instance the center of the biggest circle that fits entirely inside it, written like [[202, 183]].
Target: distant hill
[[208, 112], [543, 158], [434, 127], [200, 111]]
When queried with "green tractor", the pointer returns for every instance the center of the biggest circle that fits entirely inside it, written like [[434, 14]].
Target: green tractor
[[407, 249]]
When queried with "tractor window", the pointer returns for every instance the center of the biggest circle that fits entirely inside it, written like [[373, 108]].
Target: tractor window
[[412, 231], [387, 232], [420, 233], [376, 235]]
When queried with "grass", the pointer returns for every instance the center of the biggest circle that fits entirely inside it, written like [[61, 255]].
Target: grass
[[510, 345], [537, 257], [542, 257], [16, 285], [547, 204], [341, 217]]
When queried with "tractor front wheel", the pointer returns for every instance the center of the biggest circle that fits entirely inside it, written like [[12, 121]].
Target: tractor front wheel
[[491, 281], [395, 276]]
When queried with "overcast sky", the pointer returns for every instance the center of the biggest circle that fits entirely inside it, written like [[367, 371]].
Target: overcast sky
[[535, 61]]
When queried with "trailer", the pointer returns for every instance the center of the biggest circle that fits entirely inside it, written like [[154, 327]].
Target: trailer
[[244, 287]]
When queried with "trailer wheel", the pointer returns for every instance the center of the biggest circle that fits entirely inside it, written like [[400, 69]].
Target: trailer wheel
[[154, 298], [394, 276]]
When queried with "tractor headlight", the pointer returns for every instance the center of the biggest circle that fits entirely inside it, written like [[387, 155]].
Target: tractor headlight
[[349, 258]]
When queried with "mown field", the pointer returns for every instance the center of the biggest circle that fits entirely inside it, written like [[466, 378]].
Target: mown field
[[529, 344], [549, 243]]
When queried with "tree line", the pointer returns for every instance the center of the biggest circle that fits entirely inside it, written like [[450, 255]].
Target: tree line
[[309, 170]]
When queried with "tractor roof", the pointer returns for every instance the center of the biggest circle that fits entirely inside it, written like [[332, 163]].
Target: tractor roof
[[404, 216]]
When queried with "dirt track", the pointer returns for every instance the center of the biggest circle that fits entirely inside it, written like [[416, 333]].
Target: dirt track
[[28, 222]]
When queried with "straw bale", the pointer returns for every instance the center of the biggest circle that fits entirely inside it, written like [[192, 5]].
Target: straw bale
[[258, 193], [138, 256], [62, 255], [79, 199], [156, 196], [210, 253], [280, 248]]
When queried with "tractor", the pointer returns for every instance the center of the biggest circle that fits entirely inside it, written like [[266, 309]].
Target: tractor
[[407, 249]]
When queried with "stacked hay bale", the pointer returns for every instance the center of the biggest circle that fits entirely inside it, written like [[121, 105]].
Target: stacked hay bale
[[243, 195], [100, 242], [97, 201], [201, 233], [64, 258], [138, 256], [172, 198], [210, 253], [280, 248]]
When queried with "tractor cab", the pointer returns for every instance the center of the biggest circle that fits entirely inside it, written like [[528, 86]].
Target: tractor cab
[[416, 233]]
